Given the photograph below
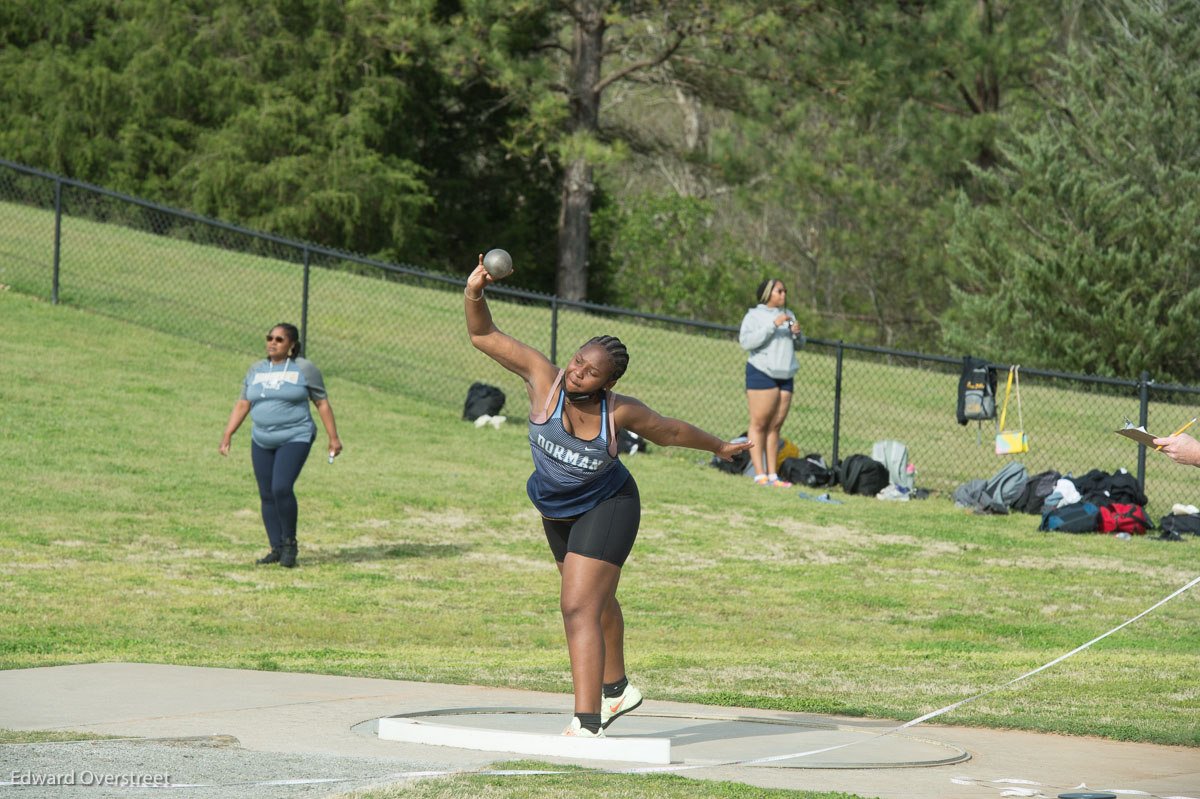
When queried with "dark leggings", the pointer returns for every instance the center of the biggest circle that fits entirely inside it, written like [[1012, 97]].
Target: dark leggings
[[606, 532], [276, 471]]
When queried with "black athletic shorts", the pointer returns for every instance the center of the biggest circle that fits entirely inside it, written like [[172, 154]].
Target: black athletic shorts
[[606, 532]]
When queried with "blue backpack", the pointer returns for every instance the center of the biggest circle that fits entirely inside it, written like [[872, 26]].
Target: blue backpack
[[1078, 517]]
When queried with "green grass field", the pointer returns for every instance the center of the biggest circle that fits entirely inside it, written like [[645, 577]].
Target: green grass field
[[408, 338], [125, 536], [578, 782]]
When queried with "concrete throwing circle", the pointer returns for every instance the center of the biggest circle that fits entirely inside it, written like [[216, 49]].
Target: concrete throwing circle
[[702, 739]]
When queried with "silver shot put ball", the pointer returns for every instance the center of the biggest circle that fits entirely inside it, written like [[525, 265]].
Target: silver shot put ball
[[498, 263]]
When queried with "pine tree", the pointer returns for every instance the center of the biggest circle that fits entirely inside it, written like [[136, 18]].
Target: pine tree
[[1084, 256]]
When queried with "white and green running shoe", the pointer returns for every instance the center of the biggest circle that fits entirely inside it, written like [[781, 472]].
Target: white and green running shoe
[[612, 708], [577, 730]]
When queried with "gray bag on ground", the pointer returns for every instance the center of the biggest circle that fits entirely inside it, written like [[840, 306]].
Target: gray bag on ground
[[996, 494], [894, 455]]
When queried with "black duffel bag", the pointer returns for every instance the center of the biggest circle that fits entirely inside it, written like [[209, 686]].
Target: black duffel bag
[[809, 470], [860, 474], [482, 400], [1180, 524]]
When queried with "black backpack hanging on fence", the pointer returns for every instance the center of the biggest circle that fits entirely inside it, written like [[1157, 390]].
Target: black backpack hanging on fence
[[976, 391], [482, 400], [860, 474]]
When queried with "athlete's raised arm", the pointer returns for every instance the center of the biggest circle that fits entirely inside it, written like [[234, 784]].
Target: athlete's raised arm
[[515, 356]]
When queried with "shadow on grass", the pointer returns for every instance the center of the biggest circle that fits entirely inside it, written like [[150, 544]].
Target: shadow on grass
[[401, 551]]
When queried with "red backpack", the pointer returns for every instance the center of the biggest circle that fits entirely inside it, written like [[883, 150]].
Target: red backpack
[[1122, 518]]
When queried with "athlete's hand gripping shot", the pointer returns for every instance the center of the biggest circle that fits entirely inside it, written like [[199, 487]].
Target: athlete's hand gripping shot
[[588, 500]]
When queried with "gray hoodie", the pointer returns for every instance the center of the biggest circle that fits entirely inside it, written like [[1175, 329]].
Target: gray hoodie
[[772, 349]]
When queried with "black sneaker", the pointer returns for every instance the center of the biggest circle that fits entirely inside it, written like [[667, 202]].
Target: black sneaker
[[270, 557], [287, 554]]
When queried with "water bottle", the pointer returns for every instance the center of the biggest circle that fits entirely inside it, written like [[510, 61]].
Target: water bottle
[[1123, 536]]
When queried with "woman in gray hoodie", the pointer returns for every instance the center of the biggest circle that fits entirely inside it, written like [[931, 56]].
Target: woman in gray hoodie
[[770, 334]]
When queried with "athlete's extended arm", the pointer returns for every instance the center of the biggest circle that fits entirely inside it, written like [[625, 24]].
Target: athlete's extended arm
[[513, 355], [635, 415]]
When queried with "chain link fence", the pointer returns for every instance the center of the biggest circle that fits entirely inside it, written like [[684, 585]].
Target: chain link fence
[[401, 330]]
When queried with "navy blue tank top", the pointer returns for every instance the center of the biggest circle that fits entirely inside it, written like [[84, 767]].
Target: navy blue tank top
[[572, 476]]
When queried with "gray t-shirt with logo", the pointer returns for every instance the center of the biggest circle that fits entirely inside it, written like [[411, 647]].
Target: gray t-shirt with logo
[[279, 394]]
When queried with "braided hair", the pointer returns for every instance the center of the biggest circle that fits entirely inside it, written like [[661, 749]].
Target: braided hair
[[616, 351]]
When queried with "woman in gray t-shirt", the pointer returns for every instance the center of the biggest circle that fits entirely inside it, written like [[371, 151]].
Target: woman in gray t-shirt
[[276, 392]]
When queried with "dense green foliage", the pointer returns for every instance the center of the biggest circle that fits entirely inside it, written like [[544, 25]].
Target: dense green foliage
[[670, 258], [714, 143], [1085, 253], [308, 118]]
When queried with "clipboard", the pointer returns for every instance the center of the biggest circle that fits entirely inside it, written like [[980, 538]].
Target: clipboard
[[1138, 434]]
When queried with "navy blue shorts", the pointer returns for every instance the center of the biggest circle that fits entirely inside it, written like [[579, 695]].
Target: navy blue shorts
[[756, 380]]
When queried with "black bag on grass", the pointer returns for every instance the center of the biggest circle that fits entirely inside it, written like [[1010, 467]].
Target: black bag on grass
[[1181, 524], [740, 462], [1037, 488], [1122, 487], [630, 443], [860, 474], [1091, 486], [482, 400], [809, 470]]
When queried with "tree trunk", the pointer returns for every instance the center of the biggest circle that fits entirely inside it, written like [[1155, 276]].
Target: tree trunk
[[575, 214], [574, 230]]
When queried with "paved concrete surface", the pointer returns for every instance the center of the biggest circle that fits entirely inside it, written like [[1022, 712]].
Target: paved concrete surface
[[308, 714]]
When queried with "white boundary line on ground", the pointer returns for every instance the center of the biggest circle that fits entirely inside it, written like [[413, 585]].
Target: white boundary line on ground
[[1002, 786], [402, 775]]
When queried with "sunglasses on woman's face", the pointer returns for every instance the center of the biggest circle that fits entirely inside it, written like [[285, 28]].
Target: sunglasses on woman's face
[[278, 339]]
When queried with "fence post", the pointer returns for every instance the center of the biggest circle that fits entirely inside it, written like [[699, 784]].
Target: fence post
[[837, 407], [57, 239], [1143, 417], [554, 330], [304, 309]]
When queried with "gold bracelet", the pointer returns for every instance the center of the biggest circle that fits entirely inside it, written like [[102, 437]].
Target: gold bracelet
[[469, 297]]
